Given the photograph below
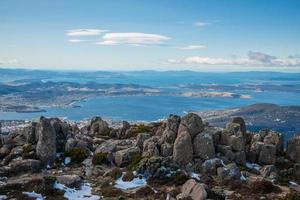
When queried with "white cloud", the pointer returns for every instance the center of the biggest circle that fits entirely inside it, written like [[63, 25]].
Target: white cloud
[[253, 59], [140, 39], [193, 47], [76, 41], [85, 32], [8, 62], [201, 24]]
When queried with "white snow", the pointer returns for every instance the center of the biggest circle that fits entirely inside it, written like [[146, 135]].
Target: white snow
[[243, 178], [127, 185], [84, 193], [195, 176], [293, 184], [3, 197], [34, 195], [67, 160], [253, 166]]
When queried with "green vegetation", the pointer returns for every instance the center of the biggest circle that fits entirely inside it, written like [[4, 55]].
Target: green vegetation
[[99, 158], [135, 160], [77, 154]]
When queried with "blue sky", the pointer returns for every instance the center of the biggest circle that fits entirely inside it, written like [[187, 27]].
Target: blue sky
[[210, 35]]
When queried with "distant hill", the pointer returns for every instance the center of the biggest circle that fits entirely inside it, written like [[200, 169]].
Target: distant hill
[[259, 116]]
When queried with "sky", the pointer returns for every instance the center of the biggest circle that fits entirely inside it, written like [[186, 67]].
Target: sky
[[201, 35]]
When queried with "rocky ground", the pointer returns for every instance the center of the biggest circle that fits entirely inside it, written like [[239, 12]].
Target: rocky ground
[[180, 158]]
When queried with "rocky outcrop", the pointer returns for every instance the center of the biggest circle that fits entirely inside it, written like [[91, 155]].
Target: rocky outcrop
[[203, 146], [191, 123], [183, 148], [46, 145], [98, 127], [193, 190], [293, 149]]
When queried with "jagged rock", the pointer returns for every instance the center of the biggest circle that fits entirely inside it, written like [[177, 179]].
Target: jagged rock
[[230, 171], [70, 144], [183, 148], [166, 149], [203, 146], [267, 170], [170, 133], [234, 128], [69, 180], [193, 190], [276, 139], [241, 122], [191, 123], [237, 143], [46, 145], [254, 152], [210, 166], [267, 155], [296, 170], [30, 133], [5, 150], [141, 138], [99, 127], [240, 157], [293, 149], [109, 146], [150, 147], [121, 133], [23, 166], [124, 157], [62, 130]]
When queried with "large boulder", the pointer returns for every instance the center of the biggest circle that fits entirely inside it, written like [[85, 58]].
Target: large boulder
[[140, 139], [191, 123], [30, 133], [125, 157], [183, 148], [237, 143], [293, 149], [151, 147], [170, 132], [204, 146], [241, 122], [46, 145], [23, 166], [62, 130], [210, 166], [99, 127], [192, 190], [69, 180], [267, 155], [123, 132], [229, 172], [276, 139]]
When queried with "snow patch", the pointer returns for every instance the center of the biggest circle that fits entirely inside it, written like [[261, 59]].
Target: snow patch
[[195, 176], [67, 160], [127, 185], [84, 193], [34, 195], [253, 166]]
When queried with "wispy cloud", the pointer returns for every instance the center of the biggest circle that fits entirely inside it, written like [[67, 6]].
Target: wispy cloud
[[85, 32], [193, 47], [253, 59], [140, 39], [201, 23], [76, 40], [8, 62]]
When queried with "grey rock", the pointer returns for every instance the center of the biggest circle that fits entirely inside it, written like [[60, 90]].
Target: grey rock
[[183, 148], [192, 189], [204, 146], [293, 149], [46, 145], [140, 139], [267, 155], [124, 157], [69, 180], [191, 123]]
